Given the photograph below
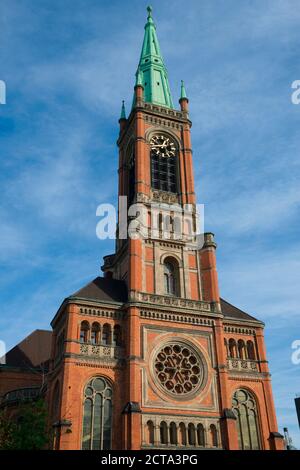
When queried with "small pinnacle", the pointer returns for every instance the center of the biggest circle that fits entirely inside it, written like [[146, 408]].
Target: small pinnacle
[[123, 112], [149, 9], [182, 91]]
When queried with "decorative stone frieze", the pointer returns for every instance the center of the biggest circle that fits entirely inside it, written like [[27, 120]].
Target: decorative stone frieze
[[164, 197], [242, 365], [100, 351], [170, 301]]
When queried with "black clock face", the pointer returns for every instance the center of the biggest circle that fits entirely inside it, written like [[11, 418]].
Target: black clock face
[[162, 146]]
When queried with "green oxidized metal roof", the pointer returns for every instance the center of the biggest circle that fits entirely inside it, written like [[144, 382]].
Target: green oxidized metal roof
[[151, 72]]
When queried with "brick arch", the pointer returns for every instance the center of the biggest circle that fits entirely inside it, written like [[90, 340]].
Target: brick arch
[[174, 256]]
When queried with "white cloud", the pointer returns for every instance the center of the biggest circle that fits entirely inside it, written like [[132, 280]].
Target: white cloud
[[66, 76]]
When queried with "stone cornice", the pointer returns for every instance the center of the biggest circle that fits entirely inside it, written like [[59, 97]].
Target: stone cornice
[[258, 377], [177, 317], [237, 322], [83, 360], [81, 301], [238, 330], [164, 114], [116, 313]]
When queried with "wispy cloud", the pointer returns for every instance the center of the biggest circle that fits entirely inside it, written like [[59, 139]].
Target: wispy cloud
[[66, 76]]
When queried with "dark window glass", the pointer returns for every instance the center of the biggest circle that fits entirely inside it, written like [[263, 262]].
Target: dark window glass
[[87, 422], [106, 334], [84, 329], [200, 435], [163, 173], [244, 407], [97, 415], [131, 180], [173, 434], [170, 278]]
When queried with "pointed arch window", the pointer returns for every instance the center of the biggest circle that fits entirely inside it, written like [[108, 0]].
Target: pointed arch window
[[97, 415], [171, 277], [245, 409]]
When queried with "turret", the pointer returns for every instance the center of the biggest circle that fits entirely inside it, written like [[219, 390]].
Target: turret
[[183, 100]]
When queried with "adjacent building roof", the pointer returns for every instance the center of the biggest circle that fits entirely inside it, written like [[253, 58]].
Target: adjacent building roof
[[31, 352], [113, 290]]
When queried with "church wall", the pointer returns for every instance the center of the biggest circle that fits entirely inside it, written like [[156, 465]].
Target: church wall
[[76, 376]]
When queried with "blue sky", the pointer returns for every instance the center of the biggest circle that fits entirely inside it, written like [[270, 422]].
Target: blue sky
[[67, 66]]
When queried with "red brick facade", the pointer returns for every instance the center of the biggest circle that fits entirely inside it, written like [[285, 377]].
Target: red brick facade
[[228, 343], [150, 356]]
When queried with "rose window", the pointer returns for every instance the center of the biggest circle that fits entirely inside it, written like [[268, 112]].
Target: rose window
[[178, 369]]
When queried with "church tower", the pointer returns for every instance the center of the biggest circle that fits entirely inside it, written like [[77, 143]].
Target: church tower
[[150, 356]]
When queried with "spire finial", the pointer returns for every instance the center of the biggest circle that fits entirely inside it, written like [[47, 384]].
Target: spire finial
[[149, 10]]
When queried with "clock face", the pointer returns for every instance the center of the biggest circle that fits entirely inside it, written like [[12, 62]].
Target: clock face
[[178, 369], [162, 146]]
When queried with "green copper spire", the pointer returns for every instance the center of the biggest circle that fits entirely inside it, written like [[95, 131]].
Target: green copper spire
[[183, 92], [123, 111], [151, 72]]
